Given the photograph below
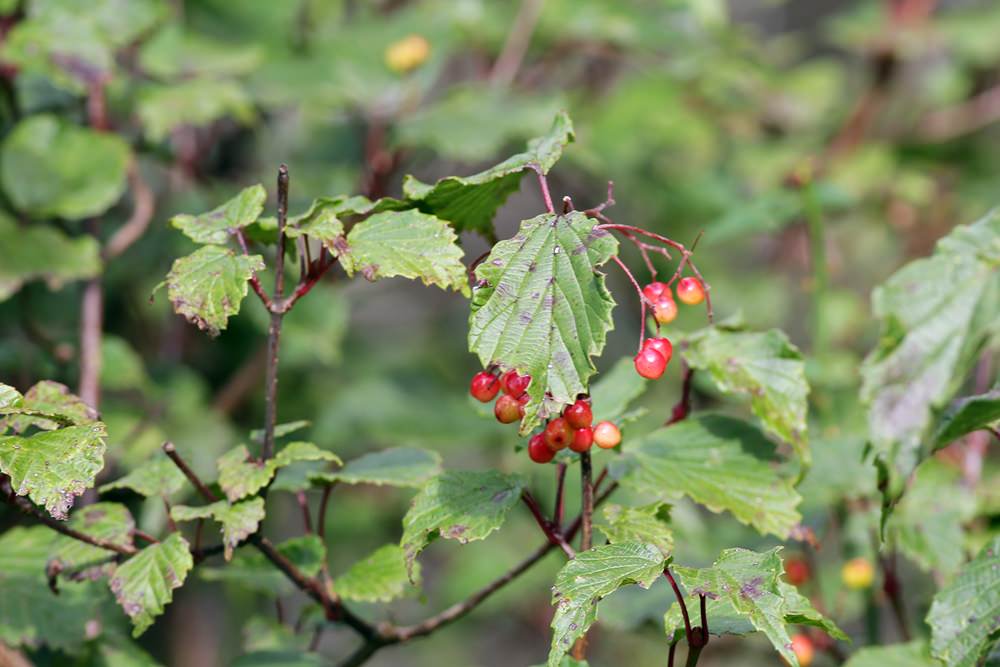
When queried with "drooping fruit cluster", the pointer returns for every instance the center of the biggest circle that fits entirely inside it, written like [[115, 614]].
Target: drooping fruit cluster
[[689, 291], [653, 358], [574, 430], [509, 408]]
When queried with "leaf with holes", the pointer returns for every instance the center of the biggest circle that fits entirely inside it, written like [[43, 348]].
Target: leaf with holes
[[592, 575], [399, 466], [721, 462], [207, 286], [240, 476], [965, 614], [648, 524], [239, 520], [144, 584], [541, 307], [379, 577], [217, 225], [463, 506]]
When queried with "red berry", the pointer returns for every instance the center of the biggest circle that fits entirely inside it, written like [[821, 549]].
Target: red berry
[[796, 571], [654, 290], [521, 403], [583, 438], [515, 384], [506, 410], [607, 435], [558, 434], [649, 363], [538, 450], [665, 309], [804, 650], [661, 345], [690, 291], [484, 386], [579, 414]]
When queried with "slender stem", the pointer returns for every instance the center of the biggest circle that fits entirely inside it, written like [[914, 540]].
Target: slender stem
[[323, 503], [817, 255], [683, 406], [670, 654], [274, 331], [206, 493], [254, 280], [557, 515], [587, 502], [543, 183], [149, 539], [551, 530], [642, 298], [144, 203], [704, 616], [303, 501], [680, 601], [91, 325], [516, 46]]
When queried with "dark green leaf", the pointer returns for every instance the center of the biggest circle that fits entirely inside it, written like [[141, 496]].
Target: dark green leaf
[[110, 522], [966, 415], [40, 252]]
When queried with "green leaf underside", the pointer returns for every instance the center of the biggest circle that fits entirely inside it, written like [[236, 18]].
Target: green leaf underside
[[239, 520], [399, 466], [966, 415], [648, 524], [250, 570], [38, 251], [217, 225], [936, 315], [144, 584], [379, 577], [469, 203], [965, 614], [745, 593], [240, 476], [463, 506], [913, 654], [111, 522], [207, 286], [721, 462], [764, 366], [592, 575], [542, 308], [156, 477]]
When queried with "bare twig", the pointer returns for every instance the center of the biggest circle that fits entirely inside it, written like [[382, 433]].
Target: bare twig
[[91, 326], [683, 406], [143, 206], [274, 331], [303, 501], [509, 62], [587, 502], [206, 493], [551, 531], [543, 183], [557, 514]]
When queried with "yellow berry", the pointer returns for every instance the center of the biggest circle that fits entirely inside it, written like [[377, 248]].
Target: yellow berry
[[407, 54], [857, 573]]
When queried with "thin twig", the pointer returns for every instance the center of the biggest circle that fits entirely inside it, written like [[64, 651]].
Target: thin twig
[[557, 514], [303, 501], [551, 531], [274, 330], [587, 502], [642, 298], [206, 493], [509, 62], [149, 539], [254, 280], [323, 502], [91, 325], [680, 601], [683, 406], [143, 205], [543, 183]]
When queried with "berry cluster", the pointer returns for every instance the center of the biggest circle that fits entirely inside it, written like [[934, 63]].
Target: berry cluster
[[652, 359], [509, 408]]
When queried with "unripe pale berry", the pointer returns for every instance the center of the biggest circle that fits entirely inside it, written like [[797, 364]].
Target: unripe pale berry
[[654, 290], [407, 54], [484, 386], [797, 571], [857, 573], [539, 450], [607, 435], [579, 415], [583, 438], [661, 345], [690, 291], [558, 434], [803, 649], [506, 410], [515, 384], [649, 363], [665, 309]]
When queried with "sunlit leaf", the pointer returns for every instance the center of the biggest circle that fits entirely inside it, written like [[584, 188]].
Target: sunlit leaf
[[144, 584], [379, 577], [649, 524], [399, 466], [239, 520], [217, 225], [240, 475]]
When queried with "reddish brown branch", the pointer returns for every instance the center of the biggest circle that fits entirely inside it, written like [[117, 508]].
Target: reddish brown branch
[[144, 203], [551, 531]]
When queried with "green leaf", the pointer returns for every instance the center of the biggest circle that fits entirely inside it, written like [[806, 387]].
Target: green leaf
[[470, 202], [53, 467], [240, 475], [250, 570], [10, 398], [648, 524], [379, 577], [592, 575], [176, 53], [541, 308], [966, 415], [51, 168], [463, 506], [913, 654], [410, 244], [745, 586], [207, 286], [144, 584], [192, 103], [217, 225], [122, 368], [156, 477], [111, 522], [965, 614], [765, 367], [399, 466], [613, 393], [936, 315], [38, 251], [48, 405], [280, 430], [721, 462], [239, 520]]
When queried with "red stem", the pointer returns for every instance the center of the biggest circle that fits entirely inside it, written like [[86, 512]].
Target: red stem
[[550, 530], [544, 184]]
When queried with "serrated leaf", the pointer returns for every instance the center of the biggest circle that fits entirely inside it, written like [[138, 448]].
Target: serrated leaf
[[615, 390], [218, 225], [765, 367], [192, 103], [721, 462], [966, 415], [745, 586], [463, 506], [912, 654], [965, 614], [240, 475], [648, 524], [410, 244], [156, 477], [10, 398], [207, 286], [250, 570], [936, 315], [592, 575], [541, 307], [469, 203], [379, 577], [280, 430], [399, 466], [52, 168], [38, 251], [239, 520], [53, 467], [111, 522], [47, 405], [144, 584]]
